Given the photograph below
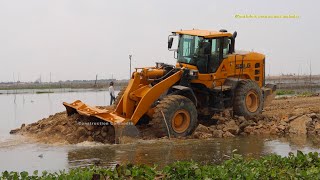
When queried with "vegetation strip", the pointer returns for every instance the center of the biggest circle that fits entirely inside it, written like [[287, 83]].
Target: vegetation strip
[[299, 166]]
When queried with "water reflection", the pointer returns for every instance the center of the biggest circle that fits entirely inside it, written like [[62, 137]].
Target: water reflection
[[20, 154], [164, 152]]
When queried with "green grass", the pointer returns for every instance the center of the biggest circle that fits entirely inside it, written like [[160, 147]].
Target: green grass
[[285, 92], [305, 94], [300, 166], [43, 92]]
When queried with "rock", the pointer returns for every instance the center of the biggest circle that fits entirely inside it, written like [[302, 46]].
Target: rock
[[283, 123], [317, 126], [81, 131], [259, 126], [285, 118], [14, 131], [228, 134], [220, 119], [313, 115], [104, 129], [220, 126], [249, 129], [252, 123], [59, 128], [103, 134], [81, 139], [243, 125], [66, 131], [274, 130], [99, 138], [281, 127], [217, 133], [96, 133], [89, 127], [301, 111], [260, 122], [231, 127], [291, 118], [202, 135], [242, 119], [22, 125], [213, 127], [90, 138], [203, 129], [226, 113], [299, 125]]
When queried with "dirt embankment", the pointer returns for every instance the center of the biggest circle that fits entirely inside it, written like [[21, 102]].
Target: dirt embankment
[[297, 115]]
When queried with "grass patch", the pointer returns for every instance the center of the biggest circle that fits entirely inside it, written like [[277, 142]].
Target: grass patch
[[300, 166], [305, 94], [285, 92], [43, 92]]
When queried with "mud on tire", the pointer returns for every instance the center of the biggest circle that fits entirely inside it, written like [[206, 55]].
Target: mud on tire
[[248, 100], [180, 116]]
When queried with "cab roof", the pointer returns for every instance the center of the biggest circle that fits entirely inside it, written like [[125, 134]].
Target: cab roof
[[204, 33]]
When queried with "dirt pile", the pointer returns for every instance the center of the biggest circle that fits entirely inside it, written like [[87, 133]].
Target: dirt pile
[[297, 115], [60, 128]]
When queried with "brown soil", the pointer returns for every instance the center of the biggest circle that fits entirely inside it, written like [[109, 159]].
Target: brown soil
[[296, 115], [60, 128]]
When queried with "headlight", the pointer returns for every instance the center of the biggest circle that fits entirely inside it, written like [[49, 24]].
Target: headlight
[[193, 72]]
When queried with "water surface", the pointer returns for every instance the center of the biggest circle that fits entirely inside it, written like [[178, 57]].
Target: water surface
[[20, 154]]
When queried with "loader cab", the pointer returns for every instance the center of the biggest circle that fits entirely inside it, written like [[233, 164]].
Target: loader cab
[[200, 50]]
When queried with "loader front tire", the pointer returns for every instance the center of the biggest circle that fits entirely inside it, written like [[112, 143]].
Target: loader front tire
[[248, 101], [175, 115]]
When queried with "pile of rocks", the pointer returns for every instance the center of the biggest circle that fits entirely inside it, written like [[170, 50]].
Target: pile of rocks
[[305, 124]]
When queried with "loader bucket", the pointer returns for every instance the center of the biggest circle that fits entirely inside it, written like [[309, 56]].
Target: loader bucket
[[119, 123]]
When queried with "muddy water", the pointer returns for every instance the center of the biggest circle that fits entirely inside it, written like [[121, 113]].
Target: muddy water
[[18, 153], [27, 108]]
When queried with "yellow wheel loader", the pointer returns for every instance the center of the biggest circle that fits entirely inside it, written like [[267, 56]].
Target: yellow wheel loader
[[209, 77]]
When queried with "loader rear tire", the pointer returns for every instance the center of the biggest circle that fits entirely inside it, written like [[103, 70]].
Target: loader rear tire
[[176, 114], [248, 100]]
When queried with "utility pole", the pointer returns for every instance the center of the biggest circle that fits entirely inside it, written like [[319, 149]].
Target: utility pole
[[95, 82], [310, 72], [130, 56], [310, 77], [50, 83]]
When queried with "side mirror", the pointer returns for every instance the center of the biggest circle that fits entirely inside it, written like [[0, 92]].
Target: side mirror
[[170, 41], [173, 42], [234, 35]]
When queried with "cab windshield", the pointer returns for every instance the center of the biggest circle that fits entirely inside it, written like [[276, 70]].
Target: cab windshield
[[189, 48]]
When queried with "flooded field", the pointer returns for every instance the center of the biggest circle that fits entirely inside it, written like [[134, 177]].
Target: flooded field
[[17, 109], [18, 153]]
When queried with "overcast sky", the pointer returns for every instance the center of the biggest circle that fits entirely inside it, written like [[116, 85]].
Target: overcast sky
[[77, 39]]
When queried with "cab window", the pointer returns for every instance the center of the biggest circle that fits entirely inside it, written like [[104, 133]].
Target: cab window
[[226, 46], [215, 55]]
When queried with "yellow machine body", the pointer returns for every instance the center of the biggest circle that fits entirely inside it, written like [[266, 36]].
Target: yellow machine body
[[148, 84]]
